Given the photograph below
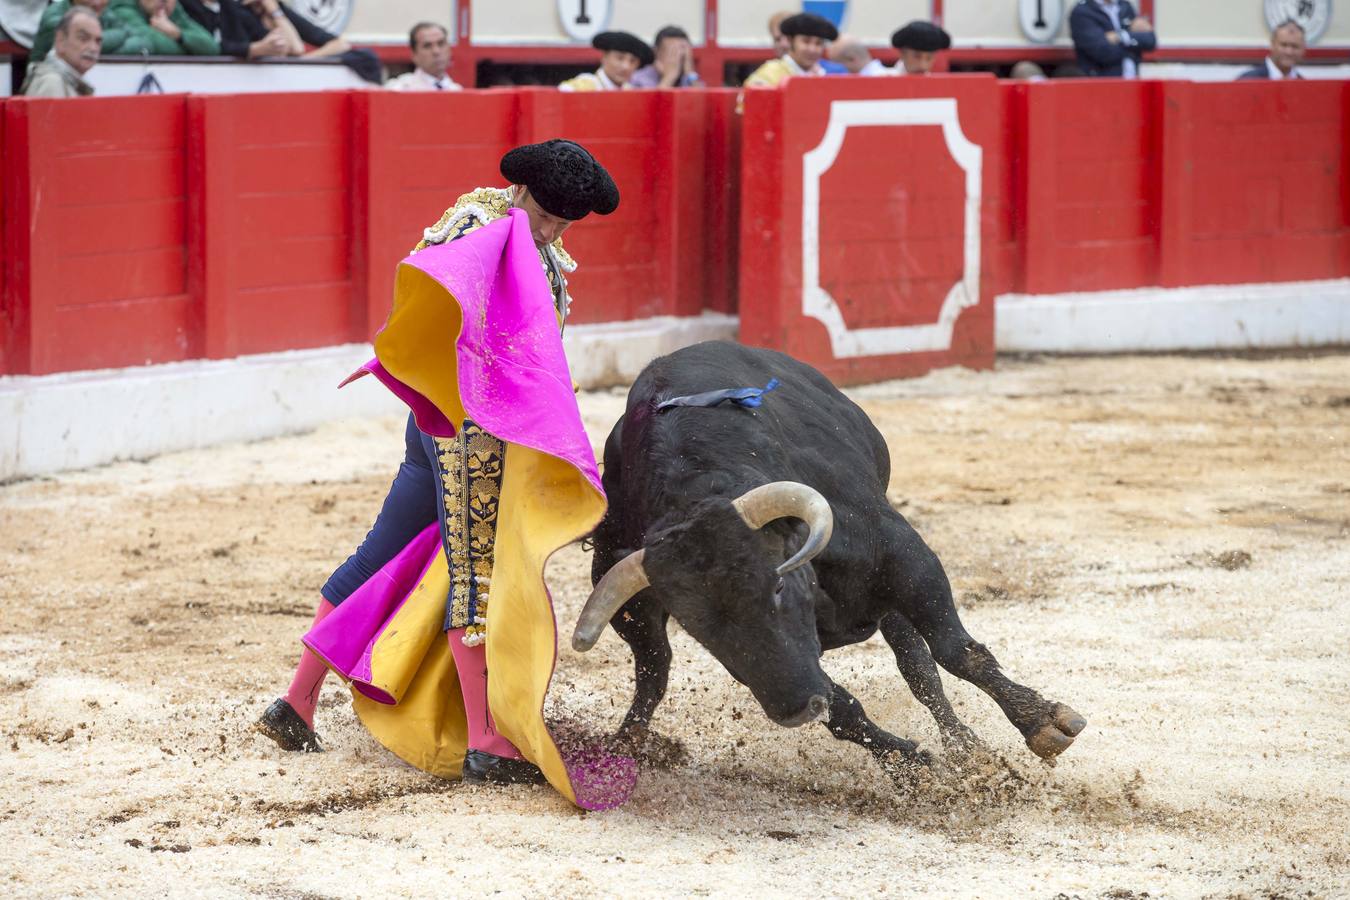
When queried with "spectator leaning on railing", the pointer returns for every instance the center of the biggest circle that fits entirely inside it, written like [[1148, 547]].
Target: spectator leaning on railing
[[673, 66], [623, 53], [854, 56], [1287, 46], [808, 35], [430, 45], [1109, 38], [158, 27], [919, 43], [75, 47], [240, 33]]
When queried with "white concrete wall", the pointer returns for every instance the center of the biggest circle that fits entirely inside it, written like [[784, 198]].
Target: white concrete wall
[[1218, 317], [56, 422]]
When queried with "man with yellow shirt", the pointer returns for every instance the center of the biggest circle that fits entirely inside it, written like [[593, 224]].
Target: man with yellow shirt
[[623, 54], [808, 36]]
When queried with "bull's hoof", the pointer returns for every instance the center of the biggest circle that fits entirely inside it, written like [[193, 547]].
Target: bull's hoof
[[904, 766], [1054, 738], [649, 748]]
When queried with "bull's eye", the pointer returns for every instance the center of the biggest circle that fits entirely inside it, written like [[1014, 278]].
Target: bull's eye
[[779, 587]]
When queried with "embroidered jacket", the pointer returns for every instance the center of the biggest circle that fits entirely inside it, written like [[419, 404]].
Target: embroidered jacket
[[481, 206]]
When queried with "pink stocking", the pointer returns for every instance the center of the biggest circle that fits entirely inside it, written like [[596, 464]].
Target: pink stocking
[[471, 664], [303, 695]]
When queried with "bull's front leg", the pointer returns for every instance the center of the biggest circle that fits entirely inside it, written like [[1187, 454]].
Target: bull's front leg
[[642, 624], [849, 722]]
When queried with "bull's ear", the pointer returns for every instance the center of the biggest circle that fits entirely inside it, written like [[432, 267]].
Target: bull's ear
[[620, 583]]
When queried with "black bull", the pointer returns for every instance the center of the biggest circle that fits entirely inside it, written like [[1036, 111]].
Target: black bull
[[672, 477]]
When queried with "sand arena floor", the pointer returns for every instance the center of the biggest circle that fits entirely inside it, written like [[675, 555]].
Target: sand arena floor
[[1161, 542]]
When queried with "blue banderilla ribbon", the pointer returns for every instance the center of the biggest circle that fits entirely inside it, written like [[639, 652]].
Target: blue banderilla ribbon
[[748, 397]]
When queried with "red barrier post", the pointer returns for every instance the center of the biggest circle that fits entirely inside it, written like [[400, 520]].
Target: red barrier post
[[720, 215], [866, 215]]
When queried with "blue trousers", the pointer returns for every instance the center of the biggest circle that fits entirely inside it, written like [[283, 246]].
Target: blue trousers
[[411, 505]]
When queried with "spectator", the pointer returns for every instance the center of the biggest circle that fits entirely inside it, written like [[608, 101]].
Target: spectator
[[254, 29], [854, 56], [781, 42], [674, 63], [240, 33], [1110, 38], [158, 27], [1288, 43], [52, 16], [623, 54], [807, 36], [1026, 70], [919, 43], [431, 57], [75, 47]]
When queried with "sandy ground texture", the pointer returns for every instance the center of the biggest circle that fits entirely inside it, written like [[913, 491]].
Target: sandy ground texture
[[1161, 542]]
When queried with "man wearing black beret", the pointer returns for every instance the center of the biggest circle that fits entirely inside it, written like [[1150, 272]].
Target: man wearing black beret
[[808, 35], [622, 55], [919, 44], [555, 183]]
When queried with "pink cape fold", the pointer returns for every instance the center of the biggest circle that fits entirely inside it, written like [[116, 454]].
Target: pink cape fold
[[514, 382]]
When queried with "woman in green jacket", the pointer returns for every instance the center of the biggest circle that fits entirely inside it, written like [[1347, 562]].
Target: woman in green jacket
[[159, 27]]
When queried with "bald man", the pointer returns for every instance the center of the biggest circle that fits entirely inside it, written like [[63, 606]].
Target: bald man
[[854, 56]]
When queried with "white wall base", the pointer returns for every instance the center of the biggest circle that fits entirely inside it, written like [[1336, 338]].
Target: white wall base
[[1219, 317], [73, 420]]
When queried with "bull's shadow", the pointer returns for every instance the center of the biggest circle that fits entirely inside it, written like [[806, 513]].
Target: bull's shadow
[[759, 520]]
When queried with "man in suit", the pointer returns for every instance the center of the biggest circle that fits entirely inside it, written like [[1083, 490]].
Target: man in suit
[[1287, 46], [1110, 37]]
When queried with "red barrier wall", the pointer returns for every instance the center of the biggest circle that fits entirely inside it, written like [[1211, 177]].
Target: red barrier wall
[[1255, 179], [98, 277], [1092, 185], [152, 229], [272, 221]]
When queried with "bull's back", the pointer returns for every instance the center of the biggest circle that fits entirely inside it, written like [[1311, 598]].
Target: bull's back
[[805, 430]]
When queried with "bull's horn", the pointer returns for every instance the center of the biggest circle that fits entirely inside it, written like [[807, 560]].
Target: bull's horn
[[783, 499], [620, 583]]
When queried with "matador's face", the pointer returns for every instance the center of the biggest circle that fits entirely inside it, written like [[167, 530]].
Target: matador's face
[[545, 227]]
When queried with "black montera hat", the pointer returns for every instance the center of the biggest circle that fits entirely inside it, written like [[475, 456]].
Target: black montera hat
[[628, 43], [809, 25], [921, 35], [563, 178]]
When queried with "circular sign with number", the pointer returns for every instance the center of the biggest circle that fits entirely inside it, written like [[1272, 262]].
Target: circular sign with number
[[583, 19], [1040, 19], [1313, 15], [330, 15]]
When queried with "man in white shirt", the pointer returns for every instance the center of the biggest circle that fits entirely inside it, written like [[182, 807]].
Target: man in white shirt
[[1287, 46], [431, 57], [853, 55], [919, 43]]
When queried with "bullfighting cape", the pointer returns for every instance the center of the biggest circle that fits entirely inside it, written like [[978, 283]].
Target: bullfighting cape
[[485, 296]]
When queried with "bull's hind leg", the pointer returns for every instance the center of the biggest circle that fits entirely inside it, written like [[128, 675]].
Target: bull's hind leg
[[917, 580], [920, 671], [849, 722]]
